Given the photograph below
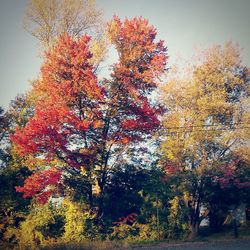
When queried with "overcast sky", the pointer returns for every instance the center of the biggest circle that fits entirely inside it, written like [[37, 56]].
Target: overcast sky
[[183, 24]]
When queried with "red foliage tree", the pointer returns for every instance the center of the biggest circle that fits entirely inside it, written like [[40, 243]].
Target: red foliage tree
[[41, 184], [84, 123]]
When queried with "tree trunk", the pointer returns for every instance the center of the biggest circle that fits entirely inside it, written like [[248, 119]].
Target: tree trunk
[[90, 194], [194, 218], [194, 231], [235, 222], [101, 199], [217, 216]]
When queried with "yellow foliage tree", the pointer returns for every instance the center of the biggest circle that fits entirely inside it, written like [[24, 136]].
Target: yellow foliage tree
[[206, 122], [47, 19], [57, 222], [76, 228], [31, 232]]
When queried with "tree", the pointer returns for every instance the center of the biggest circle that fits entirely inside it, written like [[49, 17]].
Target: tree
[[13, 207], [17, 115], [231, 179], [80, 126], [206, 121], [47, 19], [4, 124], [134, 189]]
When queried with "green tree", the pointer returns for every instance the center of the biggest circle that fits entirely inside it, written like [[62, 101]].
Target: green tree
[[13, 171]]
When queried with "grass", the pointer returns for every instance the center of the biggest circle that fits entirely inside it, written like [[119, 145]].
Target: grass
[[205, 236], [90, 245], [227, 233]]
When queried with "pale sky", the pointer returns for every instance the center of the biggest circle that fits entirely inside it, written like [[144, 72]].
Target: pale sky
[[183, 24]]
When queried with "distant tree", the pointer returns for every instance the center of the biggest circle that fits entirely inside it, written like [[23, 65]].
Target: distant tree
[[4, 132], [47, 19]]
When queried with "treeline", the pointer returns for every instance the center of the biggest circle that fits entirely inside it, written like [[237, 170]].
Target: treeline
[[144, 154]]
